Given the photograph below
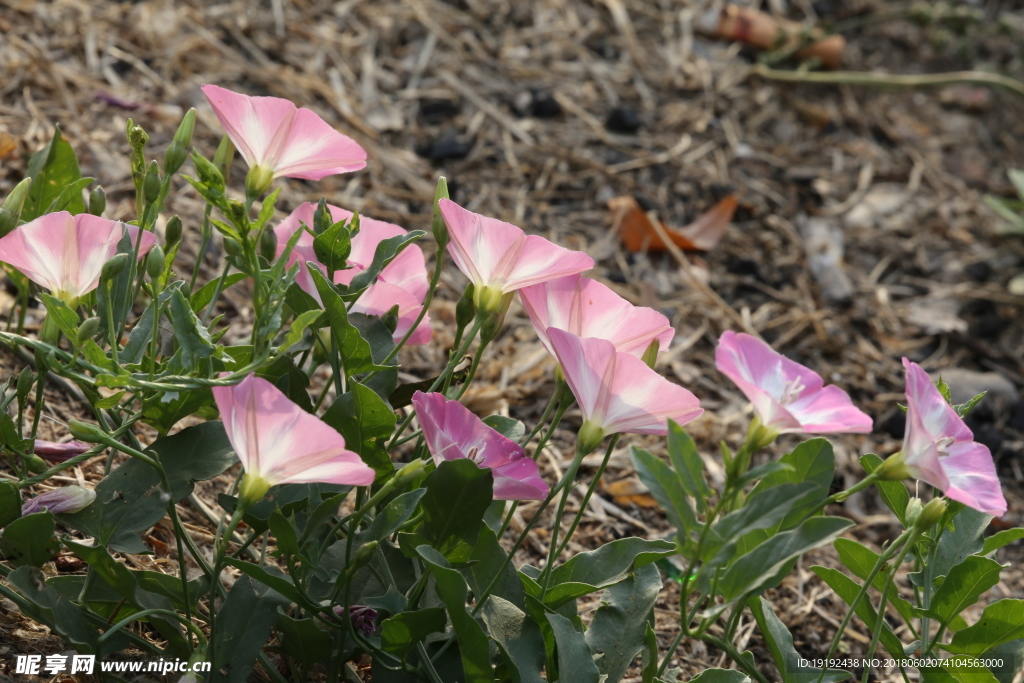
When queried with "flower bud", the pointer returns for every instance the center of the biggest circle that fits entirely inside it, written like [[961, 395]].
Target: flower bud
[[361, 615], [238, 215], [59, 452], [390, 319], [251, 489], [894, 468], [137, 137], [232, 247], [208, 173], [114, 267], [83, 431], [177, 151], [912, 515], [933, 511], [26, 379], [322, 218], [151, 185], [35, 464], [155, 262], [12, 206], [224, 156], [88, 329], [362, 556], [465, 310], [97, 201], [268, 245], [437, 224], [409, 472], [66, 500], [651, 353], [172, 233]]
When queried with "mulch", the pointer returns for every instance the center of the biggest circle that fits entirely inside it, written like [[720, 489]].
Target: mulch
[[860, 235]]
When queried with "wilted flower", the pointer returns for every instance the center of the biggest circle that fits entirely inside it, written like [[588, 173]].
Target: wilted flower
[[280, 443], [361, 615], [66, 500], [452, 431], [65, 253], [588, 308], [59, 452], [787, 396], [939, 448], [279, 139], [500, 258], [618, 392], [407, 272]]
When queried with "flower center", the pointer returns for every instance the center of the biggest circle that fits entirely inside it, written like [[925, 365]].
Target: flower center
[[475, 455], [943, 444], [791, 391]]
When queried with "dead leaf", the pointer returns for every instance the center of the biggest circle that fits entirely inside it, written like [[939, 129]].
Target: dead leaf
[[627, 491], [8, 143], [637, 231]]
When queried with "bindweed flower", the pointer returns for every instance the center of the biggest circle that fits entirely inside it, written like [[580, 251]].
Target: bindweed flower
[[500, 258], [361, 615], [616, 391], [59, 452], [787, 396], [452, 431], [406, 276], [66, 500], [279, 139], [65, 253], [938, 448], [280, 443], [588, 308]]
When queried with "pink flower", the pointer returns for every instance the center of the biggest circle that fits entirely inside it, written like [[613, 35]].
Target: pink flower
[[787, 396], [59, 452], [500, 258], [278, 139], [280, 443], [616, 391], [406, 276], [939, 448], [452, 431], [66, 253], [588, 308]]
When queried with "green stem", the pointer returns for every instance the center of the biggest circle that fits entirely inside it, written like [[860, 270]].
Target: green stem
[[145, 613], [216, 291], [435, 277], [590, 492], [734, 654], [880, 620], [207, 232], [556, 523]]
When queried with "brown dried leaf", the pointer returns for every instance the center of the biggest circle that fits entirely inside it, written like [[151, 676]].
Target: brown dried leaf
[[637, 231]]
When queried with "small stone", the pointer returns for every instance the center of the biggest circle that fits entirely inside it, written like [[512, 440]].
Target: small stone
[[965, 384], [895, 425], [445, 147], [544, 106], [979, 271], [623, 120], [437, 111]]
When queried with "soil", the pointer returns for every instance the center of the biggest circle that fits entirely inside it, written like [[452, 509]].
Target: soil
[[860, 237]]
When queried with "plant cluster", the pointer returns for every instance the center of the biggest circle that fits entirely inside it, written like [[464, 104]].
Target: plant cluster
[[373, 517]]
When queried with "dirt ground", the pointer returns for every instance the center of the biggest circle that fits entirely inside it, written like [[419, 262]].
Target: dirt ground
[[539, 113]]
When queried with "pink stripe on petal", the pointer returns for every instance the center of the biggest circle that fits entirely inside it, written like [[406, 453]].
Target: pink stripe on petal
[[541, 260], [937, 416], [972, 478], [313, 149]]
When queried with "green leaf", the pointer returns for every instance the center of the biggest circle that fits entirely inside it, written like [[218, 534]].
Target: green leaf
[[682, 451], [52, 169], [10, 503], [400, 633], [754, 570], [63, 315], [333, 246], [847, 589], [451, 588], [244, 623], [996, 540], [958, 670], [297, 329], [861, 560], [720, 676], [591, 571], [519, 639], [458, 494], [617, 629], [486, 559], [650, 670], [1014, 222], [30, 540], [963, 586], [506, 426], [356, 356], [667, 488], [365, 420], [45, 605], [965, 539], [575, 663], [195, 347], [386, 252], [394, 515], [304, 641], [202, 297], [284, 533], [812, 461], [1001, 622], [122, 579], [165, 410], [780, 644], [292, 381], [129, 499], [70, 198], [893, 493]]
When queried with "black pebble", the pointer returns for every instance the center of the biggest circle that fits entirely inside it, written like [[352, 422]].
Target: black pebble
[[895, 425], [623, 120], [438, 111], [445, 147], [544, 106], [616, 276], [979, 271]]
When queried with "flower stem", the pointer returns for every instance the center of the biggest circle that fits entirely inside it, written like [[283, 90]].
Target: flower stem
[[590, 492]]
